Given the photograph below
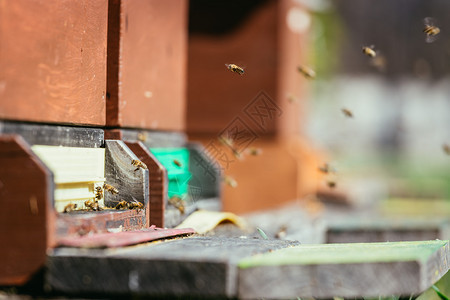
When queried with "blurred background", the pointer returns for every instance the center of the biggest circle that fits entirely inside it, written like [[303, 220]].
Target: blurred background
[[400, 102]]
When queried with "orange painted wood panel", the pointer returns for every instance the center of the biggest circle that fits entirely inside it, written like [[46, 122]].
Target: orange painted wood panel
[[216, 96], [26, 217], [53, 60], [147, 64]]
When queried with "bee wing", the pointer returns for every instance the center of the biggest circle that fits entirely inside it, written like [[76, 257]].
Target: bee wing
[[429, 21], [431, 38]]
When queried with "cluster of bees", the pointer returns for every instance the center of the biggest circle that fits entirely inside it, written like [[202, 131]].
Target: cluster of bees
[[93, 204]]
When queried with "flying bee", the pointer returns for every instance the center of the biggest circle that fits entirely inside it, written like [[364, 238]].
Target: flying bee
[[230, 181], [431, 30], [254, 151], [235, 68], [142, 136], [92, 205], [110, 188], [326, 168], [281, 232], [70, 207], [236, 153], [291, 98], [331, 183], [98, 192], [177, 163], [347, 113], [307, 72], [138, 164], [369, 51], [226, 141], [446, 148], [178, 203]]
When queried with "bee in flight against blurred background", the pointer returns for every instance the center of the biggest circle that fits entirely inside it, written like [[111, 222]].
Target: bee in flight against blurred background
[[326, 168], [230, 181], [235, 68], [307, 72], [177, 163], [347, 113], [446, 148], [431, 30], [369, 51], [178, 203]]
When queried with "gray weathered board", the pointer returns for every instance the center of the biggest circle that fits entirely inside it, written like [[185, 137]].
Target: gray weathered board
[[132, 183], [366, 230], [344, 270], [197, 266], [54, 135], [250, 268]]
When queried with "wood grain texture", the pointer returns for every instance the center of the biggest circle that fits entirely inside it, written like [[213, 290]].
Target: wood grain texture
[[82, 223], [26, 216], [197, 266], [366, 230], [54, 135], [344, 270], [158, 182], [132, 183], [150, 138], [216, 96], [147, 44], [53, 68]]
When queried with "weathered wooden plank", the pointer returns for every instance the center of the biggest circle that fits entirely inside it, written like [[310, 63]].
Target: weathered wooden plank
[[26, 214], [53, 68], [54, 135], [157, 180], [132, 183], [82, 223], [197, 266], [365, 230], [122, 239], [146, 68], [344, 270]]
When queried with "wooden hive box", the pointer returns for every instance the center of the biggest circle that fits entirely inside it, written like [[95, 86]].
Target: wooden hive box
[[252, 109]]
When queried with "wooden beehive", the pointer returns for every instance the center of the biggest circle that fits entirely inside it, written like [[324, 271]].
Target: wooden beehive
[[254, 108]]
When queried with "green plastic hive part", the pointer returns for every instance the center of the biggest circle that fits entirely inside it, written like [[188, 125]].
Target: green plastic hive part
[[176, 161]]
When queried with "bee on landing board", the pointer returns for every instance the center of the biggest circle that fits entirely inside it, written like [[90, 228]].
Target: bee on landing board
[[98, 192], [138, 164], [430, 29], [347, 113], [92, 205], [307, 72], [110, 189], [122, 204], [369, 51], [235, 68], [70, 207], [134, 204]]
